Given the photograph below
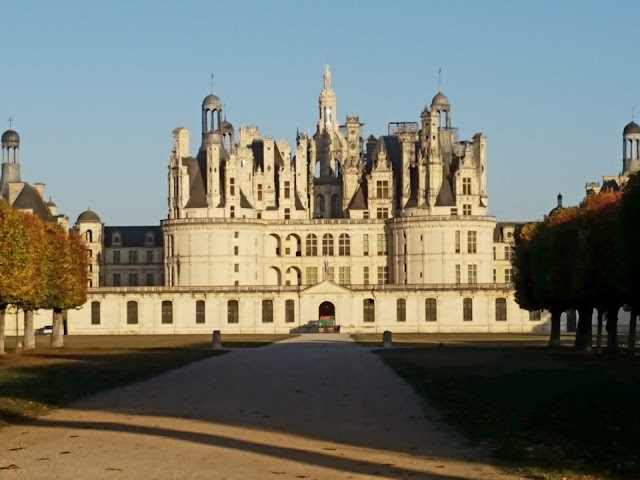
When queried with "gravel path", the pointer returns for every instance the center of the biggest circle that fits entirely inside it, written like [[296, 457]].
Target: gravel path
[[312, 407]]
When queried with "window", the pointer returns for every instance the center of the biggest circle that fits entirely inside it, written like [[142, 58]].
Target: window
[[458, 276], [457, 241], [495, 276], [467, 310], [232, 311], [472, 242], [365, 214], [383, 275], [236, 250], [368, 310], [330, 273], [267, 311], [116, 280], [289, 311], [501, 309], [430, 310], [508, 252], [167, 311], [236, 267], [365, 244], [200, 311], [344, 245], [287, 214], [472, 272], [336, 208], [132, 313], [344, 275], [149, 238], [150, 281], [466, 209], [259, 215], [232, 186], [382, 189], [494, 253], [454, 212], [133, 279], [133, 256], [382, 212], [327, 244], [382, 244], [312, 275], [365, 276], [401, 310], [312, 245], [287, 190], [89, 236], [116, 257], [259, 192], [466, 186], [236, 234], [508, 275], [116, 238], [320, 204], [534, 315], [232, 212], [95, 313]]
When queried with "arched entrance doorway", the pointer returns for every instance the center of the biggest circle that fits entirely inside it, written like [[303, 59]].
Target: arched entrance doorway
[[327, 313]]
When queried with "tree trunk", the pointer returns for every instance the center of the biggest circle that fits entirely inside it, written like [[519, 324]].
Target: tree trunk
[[29, 339], [583, 332], [554, 338], [3, 311], [612, 330], [57, 335], [599, 335], [631, 343]]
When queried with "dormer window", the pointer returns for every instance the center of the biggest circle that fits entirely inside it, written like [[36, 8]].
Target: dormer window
[[148, 238], [116, 238]]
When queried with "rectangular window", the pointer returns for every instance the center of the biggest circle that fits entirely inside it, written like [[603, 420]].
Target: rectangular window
[[259, 192], [133, 279], [401, 310], [312, 275], [466, 186], [95, 313], [494, 253], [289, 311], [508, 275], [327, 244], [501, 309], [534, 315], [508, 252], [368, 310], [495, 276], [382, 244], [382, 212], [365, 214], [466, 209], [200, 311], [344, 245], [232, 212], [236, 250], [365, 244], [116, 280], [454, 212], [132, 313], [472, 242], [236, 267], [344, 275], [150, 281], [457, 241], [267, 311], [383, 275], [467, 310], [365, 276], [458, 275], [149, 256], [311, 245], [287, 190], [330, 274], [382, 189], [167, 311], [287, 214], [431, 310], [116, 257], [232, 311], [133, 256], [236, 234], [472, 271], [232, 186]]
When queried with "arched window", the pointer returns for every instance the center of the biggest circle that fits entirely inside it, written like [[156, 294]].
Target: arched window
[[368, 310], [327, 244], [431, 310], [336, 208], [467, 310], [167, 311], [199, 311], [501, 309], [267, 311], [312, 245], [232, 311], [95, 313], [289, 311], [344, 245], [132, 312], [320, 204], [401, 310], [89, 236]]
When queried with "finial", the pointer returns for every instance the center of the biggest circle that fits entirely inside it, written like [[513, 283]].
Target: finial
[[560, 200], [632, 114], [211, 84], [439, 79], [10, 123]]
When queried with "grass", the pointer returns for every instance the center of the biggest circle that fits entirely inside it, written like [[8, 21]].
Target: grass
[[475, 339], [33, 383], [547, 414]]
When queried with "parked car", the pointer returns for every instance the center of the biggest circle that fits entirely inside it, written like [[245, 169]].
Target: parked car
[[46, 330]]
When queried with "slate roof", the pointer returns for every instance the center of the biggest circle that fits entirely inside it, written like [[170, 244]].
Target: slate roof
[[133, 236], [30, 199]]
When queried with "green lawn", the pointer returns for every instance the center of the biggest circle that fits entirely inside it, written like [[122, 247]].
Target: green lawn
[[553, 414], [35, 382]]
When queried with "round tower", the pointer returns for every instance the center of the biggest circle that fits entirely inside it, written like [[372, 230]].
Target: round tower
[[440, 105], [631, 148], [211, 120], [89, 226]]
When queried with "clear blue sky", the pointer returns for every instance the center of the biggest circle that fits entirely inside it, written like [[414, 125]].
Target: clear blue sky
[[97, 87]]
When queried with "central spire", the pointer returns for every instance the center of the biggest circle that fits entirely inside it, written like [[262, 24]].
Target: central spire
[[327, 78]]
